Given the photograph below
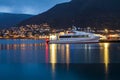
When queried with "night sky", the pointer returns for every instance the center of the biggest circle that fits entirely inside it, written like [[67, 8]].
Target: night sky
[[27, 6]]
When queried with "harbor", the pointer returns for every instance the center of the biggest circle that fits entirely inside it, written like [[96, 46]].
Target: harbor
[[105, 35], [59, 39], [28, 59], [75, 36]]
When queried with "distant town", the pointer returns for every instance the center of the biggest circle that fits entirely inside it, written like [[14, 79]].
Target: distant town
[[45, 30]]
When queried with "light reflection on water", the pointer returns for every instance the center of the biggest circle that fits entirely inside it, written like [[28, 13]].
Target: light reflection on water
[[37, 52], [53, 56], [104, 50], [67, 55], [106, 55], [60, 53]]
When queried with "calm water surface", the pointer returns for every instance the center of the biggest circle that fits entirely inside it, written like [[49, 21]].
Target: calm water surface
[[36, 60]]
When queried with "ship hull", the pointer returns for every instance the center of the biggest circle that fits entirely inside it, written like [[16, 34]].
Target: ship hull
[[73, 41]]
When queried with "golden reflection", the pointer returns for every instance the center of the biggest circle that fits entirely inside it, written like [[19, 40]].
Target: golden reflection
[[104, 47], [15, 46], [53, 55], [22, 46], [106, 56], [63, 52], [67, 55]]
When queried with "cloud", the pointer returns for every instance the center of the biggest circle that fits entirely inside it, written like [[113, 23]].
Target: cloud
[[28, 6], [28, 10], [5, 9]]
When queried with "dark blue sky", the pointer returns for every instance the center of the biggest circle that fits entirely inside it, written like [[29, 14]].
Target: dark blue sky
[[27, 6]]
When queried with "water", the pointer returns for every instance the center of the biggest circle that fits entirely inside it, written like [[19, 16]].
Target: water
[[36, 60]]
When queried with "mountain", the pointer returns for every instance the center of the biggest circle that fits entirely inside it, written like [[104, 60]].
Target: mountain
[[82, 13], [8, 20]]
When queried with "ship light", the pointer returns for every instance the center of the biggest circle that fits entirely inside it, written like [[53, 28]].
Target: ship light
[[61, 33], [52, 37], [115, 35], [106, 30]]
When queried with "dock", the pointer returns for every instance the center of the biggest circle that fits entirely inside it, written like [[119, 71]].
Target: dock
[[110, 41]]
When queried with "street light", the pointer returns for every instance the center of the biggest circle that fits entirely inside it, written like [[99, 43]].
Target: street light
[[106, 30]]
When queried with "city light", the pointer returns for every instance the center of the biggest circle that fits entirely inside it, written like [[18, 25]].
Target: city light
[[52, 37], [106, 30]]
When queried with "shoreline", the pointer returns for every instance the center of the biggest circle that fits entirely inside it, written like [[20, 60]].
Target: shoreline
[[101, 41], [111, 41], [25, 38]]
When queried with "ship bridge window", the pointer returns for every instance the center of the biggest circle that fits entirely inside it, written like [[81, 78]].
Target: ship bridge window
[[65, 37], [75, 36], [80, 36]]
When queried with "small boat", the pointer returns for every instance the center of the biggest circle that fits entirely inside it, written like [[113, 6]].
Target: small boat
[[74, 36]]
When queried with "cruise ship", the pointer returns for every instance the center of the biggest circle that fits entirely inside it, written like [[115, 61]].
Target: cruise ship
[[75, 36]]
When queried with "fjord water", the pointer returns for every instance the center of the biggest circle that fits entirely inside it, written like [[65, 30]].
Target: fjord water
[[36, 60]]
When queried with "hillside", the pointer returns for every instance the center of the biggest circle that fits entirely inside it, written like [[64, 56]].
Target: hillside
[[8, 20], [82, 13]]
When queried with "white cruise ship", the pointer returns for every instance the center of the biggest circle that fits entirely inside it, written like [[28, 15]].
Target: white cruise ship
[[75, 36]]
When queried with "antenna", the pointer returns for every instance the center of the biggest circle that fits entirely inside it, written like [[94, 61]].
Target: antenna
[[74, 28]]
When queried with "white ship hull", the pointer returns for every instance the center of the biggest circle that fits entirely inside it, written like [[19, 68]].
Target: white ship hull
[[73, 41]]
